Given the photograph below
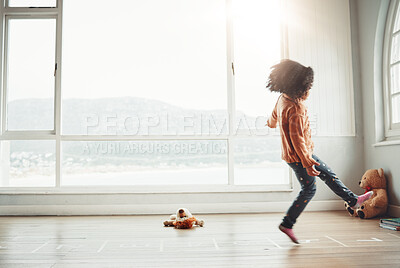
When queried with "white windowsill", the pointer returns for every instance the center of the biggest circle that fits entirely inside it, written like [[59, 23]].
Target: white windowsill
[[147, 190], [386, 143]]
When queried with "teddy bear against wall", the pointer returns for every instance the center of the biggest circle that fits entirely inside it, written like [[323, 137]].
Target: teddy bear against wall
[[372, 180]]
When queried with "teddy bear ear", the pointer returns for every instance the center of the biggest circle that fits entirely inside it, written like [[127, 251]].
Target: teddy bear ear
[[380, 172]]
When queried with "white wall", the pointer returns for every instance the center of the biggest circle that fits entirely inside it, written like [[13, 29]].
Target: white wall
[[370, 22], [319, 36]]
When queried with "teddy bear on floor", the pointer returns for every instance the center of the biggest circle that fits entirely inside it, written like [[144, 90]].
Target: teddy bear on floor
[[372, 180], [183, 219]]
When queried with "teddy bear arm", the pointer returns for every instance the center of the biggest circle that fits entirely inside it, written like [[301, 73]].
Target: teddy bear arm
[[380, 201], [169, 223], [200, 223], [196, 221]]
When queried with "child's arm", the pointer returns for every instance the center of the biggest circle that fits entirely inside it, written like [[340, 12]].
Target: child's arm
[[296, 133], [272, 120]]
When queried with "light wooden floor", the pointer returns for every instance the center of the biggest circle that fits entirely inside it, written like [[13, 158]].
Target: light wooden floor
[[329, 239]]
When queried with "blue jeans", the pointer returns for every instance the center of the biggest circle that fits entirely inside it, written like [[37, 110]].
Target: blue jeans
[[309, 187]]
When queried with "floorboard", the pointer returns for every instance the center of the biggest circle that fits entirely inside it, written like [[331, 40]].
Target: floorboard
[[328, 239]]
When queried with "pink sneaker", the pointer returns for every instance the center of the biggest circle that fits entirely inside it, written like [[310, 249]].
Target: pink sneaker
[[362, 198], [289, 233]]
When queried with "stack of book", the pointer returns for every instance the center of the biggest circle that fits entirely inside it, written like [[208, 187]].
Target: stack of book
[[391, 224]]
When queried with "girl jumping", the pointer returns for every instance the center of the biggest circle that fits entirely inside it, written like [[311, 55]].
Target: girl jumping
[[294, 82]]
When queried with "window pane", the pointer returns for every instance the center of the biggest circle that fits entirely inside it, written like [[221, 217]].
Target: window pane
[[396, 26], [395, 78], [144, 162], [258, 161], [27, 163], [257, 46], [396, 109], [395, 56], [31, 59], [32, 3], [152, 58]]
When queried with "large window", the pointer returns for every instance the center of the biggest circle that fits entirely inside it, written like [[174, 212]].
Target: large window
[[392, 72], [140, 93]]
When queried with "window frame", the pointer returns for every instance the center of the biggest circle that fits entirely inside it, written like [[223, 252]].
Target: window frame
[[392, 130], [55, 134], [5, 131], [7, 4]]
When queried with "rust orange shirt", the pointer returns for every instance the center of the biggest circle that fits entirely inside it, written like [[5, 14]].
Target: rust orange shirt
[[294, 125]]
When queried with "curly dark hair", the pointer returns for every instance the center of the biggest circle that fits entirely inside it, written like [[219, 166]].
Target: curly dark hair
[[291, 78]]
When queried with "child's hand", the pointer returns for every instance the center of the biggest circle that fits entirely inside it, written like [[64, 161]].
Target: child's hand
[[311, 169], [315, 162]]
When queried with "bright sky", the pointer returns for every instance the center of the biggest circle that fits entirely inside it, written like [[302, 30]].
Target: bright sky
[[174, 51], [257, 44], [31, 58]]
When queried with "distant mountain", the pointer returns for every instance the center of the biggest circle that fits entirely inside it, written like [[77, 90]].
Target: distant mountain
[[135, 116], [30, 114], [129, 115], [120, 116]]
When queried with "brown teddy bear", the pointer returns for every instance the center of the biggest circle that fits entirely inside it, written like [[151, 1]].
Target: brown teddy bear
[[372, 180], [183, 220]]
